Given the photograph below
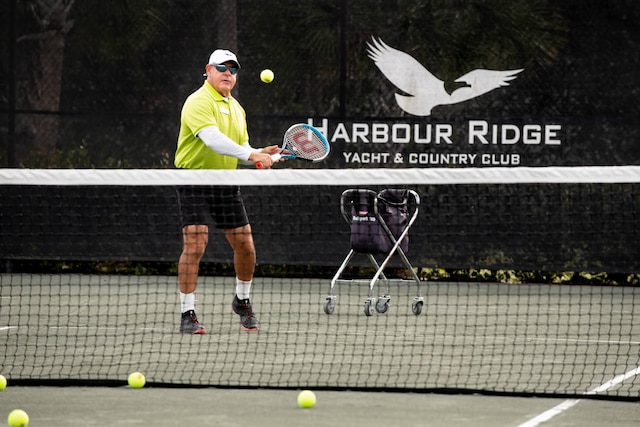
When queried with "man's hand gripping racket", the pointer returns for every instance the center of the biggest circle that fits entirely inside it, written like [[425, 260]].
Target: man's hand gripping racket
[[303, 142]]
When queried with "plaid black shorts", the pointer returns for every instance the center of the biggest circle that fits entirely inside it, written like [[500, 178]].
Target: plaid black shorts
[[202, 204]]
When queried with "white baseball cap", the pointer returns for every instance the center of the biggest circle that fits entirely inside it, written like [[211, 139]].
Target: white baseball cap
[[220, 56]]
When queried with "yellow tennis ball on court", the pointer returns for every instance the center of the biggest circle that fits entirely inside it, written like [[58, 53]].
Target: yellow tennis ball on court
[[306, 399], [3, 382], [18, 418], [267, 76], [136, 380]]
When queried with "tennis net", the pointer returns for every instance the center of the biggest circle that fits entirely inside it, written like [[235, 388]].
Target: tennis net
[[529, 278]]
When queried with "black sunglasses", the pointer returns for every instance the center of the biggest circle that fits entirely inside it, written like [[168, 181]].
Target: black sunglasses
[[223, 68]]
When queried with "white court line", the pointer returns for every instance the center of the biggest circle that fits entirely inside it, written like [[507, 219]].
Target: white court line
[[6, 328], [547, 415]]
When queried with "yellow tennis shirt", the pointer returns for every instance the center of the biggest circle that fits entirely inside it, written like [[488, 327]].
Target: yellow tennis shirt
[[206, 107]]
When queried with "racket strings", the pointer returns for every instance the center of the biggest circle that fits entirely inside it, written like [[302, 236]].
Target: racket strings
[[304, 143]]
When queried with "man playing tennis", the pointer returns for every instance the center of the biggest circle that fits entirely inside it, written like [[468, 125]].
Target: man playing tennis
[[213, 135]]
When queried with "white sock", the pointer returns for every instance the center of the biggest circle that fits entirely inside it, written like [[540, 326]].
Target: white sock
[[187, 302], [243, 288]]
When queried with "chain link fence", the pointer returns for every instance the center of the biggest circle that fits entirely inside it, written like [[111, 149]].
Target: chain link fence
[[95, 84]]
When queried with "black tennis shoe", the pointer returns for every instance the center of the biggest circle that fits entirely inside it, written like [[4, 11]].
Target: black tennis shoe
[[248, 320], [189, 323]]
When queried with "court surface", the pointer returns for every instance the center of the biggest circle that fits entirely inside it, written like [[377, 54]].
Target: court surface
[[122, 406], [492, 337]]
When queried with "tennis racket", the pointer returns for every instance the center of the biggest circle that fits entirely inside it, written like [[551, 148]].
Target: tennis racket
[[302, 142]]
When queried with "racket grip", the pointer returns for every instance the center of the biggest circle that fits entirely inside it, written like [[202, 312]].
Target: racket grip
[[275, 158]]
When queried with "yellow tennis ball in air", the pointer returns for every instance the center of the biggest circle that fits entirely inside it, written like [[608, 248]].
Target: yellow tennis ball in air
[[266, 76], [136, 380], [3, 382], [306, 399], [18, 418]]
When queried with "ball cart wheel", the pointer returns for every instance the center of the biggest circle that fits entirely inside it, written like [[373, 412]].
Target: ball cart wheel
[[368, 307], [416, 307], [330, 305], [382, 305]]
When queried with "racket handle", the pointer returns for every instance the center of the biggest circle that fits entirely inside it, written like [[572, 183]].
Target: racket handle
[[275, 158]]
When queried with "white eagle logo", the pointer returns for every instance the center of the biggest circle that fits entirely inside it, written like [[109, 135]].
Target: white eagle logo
[[423, 90]]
